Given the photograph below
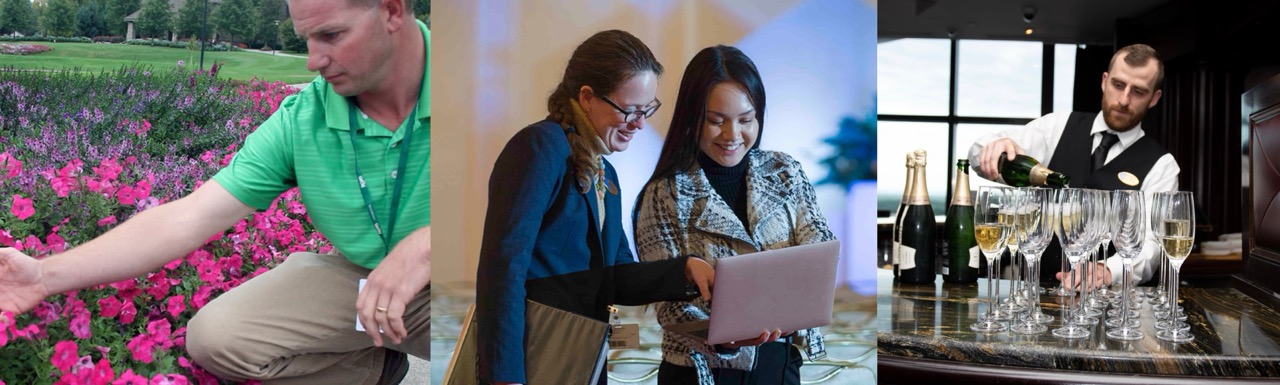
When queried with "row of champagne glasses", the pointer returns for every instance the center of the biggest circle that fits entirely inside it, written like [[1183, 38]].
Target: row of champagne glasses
[[1082, 219]]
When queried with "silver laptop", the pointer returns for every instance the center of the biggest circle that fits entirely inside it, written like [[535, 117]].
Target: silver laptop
[[789, 289]]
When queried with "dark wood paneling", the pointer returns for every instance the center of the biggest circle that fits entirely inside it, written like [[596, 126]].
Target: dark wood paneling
[[1262, 240], [1198, 121]]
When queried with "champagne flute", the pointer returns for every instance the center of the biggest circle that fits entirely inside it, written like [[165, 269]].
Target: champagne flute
[[1158, 298], [1160, 302], [1076, 238], [992, 234], [1130, 231], [1014, 303], [1179, 232], [1103, 293], [1037, 213]]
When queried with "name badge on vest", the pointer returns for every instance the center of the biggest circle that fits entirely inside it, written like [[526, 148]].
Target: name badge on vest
[[622, 336], [1128, 178]]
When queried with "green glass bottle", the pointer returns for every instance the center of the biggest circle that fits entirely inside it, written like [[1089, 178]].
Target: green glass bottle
[[902, 210], [1025, 171], [919, 243], [962, 248]]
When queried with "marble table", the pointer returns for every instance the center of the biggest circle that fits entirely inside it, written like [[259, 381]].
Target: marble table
[[924, 336]]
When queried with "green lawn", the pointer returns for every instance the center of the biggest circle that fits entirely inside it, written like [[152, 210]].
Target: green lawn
[[96, 57]]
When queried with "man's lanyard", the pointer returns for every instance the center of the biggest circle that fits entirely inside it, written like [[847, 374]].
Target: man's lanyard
[[398, 176]]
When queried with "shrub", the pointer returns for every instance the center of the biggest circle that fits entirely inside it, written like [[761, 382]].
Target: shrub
[[192, 44], [108, 39], [51, 39]]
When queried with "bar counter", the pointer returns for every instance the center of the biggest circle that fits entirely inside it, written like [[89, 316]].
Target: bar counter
[[924, 337]]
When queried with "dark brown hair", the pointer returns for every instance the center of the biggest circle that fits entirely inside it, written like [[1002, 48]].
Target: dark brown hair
[[1137, 55], [709, 67], [604, 61]]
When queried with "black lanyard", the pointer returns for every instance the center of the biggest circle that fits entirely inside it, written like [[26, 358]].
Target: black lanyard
[[399, 175]]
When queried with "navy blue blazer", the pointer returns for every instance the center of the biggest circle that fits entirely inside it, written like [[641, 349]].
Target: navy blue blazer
[[542, 241]]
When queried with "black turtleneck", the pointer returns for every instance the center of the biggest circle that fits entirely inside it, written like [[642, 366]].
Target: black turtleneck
[[730, 183]]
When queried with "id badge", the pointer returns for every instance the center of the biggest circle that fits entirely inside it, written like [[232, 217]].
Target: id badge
[[624, 336]]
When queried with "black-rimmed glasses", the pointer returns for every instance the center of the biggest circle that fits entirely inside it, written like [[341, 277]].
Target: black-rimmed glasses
[[631, 116]]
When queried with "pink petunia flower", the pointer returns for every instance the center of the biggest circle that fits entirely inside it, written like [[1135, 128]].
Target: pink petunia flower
[[110, 220], [92, 184], [129, 378], [141, 347], [47, 312], [143, 127], [32, 244], [110, 306], [109, 169], [55, 243], [201, 297], [6, 323], [176, 305], [65, 354], [159, 331], [127, 289], [102, 373], [11, 165], [209, 271], [180, 337], [142, 189], [125, 195], [128, 313], [80, 326], [22, 207], [169, 379]]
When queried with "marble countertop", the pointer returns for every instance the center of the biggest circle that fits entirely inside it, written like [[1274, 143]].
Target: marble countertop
[[1235, 335]]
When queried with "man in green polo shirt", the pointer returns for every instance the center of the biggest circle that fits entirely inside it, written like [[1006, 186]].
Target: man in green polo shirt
[[356, 142]]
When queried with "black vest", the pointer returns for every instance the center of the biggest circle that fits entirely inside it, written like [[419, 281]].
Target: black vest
[[1073, 157]]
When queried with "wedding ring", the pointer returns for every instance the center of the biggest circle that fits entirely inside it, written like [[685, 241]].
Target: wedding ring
[[382, 309]]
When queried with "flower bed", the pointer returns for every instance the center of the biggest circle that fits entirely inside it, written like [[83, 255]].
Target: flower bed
[[84, 153], [23, 49]]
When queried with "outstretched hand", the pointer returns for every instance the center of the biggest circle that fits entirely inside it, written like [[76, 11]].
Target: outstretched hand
[[20, 286], [1101, 276], [702, 274], [765, 336]]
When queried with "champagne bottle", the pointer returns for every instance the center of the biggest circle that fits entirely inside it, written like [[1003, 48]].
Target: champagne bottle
[[916, 258], [962, 247], [1025, 171], [902, 210]]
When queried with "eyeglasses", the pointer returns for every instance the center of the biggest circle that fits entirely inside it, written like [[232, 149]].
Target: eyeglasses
[[631, 116]]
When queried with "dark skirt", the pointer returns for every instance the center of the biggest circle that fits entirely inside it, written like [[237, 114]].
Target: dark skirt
[[777, 363]]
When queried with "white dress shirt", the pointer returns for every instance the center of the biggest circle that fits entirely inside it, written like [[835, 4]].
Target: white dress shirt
[[1040, 138]]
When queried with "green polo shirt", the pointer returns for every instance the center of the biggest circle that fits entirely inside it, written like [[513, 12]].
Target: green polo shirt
[[306, 143]]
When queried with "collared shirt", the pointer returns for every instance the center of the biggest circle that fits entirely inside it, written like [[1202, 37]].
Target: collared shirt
[[306, 144], [1040, 138]]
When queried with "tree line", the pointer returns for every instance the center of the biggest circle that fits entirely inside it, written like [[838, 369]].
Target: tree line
[[255, 23]]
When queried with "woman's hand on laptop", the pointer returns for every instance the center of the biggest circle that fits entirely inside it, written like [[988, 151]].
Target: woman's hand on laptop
[[702, 274], [765, 336]]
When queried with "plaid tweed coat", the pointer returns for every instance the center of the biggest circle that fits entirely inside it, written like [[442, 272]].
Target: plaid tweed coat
[[683, 215]]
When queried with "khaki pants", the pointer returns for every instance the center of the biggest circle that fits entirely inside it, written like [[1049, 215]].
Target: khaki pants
[[295, 324]]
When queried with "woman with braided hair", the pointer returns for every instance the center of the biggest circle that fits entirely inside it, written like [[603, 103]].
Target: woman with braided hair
[[553, 231]]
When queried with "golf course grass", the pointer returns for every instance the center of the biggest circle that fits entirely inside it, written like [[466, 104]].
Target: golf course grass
[[91, 57]]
